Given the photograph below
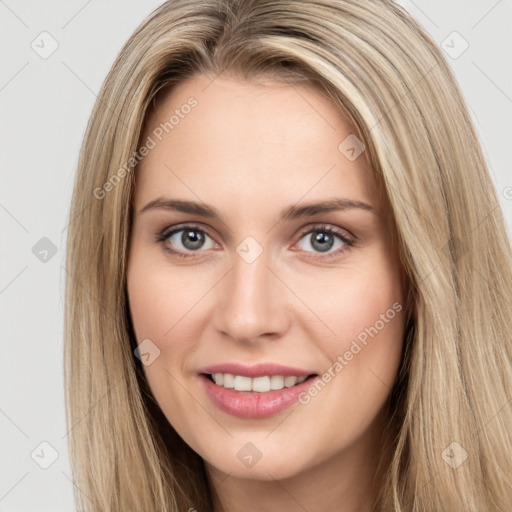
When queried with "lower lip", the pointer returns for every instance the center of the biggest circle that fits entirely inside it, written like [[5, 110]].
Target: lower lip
[[251, 404]]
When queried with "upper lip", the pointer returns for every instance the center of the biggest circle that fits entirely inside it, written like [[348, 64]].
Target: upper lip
[[257, 370]]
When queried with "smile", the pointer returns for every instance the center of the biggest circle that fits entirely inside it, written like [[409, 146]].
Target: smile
[[252, 398], [256, 384]]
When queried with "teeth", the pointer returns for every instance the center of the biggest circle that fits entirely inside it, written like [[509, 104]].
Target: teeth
[[242, 383], [229, 380], [290, 381], [276, 382], [258, 384]]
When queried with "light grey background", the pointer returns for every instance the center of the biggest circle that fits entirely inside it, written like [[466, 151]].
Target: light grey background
[[44, 107]]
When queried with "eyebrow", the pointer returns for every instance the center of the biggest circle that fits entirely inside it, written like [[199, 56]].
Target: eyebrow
[[291, 212]]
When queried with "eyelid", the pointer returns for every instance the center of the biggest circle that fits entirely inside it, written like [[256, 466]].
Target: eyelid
[[345, 236], [348, 239], [170, 230], [162, 235], [330, 228]]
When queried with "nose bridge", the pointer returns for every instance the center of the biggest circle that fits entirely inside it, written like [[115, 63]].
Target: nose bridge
[[250, 302], [250, 280]]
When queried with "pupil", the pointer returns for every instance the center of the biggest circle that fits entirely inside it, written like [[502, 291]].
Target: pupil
[[192, 239], [324, 239]]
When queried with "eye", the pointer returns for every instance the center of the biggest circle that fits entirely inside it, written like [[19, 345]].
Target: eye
[[323, 238], [185, 240]]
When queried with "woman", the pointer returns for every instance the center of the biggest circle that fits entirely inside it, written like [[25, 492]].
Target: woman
[[291, 280]]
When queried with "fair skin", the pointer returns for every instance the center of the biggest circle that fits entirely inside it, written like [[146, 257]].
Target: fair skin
[[250, 151]]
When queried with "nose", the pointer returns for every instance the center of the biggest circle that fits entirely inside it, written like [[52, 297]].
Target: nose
[[251, 302]]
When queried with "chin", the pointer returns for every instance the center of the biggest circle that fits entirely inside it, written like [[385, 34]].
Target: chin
[[248, 462]]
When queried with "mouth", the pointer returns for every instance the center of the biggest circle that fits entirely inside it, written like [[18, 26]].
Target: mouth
[[262, 384], [254, 397]]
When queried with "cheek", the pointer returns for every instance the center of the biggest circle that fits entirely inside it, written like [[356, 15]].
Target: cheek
[[364, 313], [167, 308], [160, 303], [160, 298]]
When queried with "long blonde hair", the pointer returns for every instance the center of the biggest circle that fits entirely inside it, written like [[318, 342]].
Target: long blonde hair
[[451, 419]]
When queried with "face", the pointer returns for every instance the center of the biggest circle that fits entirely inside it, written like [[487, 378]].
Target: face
[[233, 271]]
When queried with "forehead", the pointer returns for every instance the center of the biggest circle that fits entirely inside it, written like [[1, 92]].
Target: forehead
[[241, 139]]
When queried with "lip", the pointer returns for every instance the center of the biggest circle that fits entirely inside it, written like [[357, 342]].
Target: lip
[[257, 370], [252, 404]]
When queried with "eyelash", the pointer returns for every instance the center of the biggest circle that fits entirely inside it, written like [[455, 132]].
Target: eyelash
[[349, 242]]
